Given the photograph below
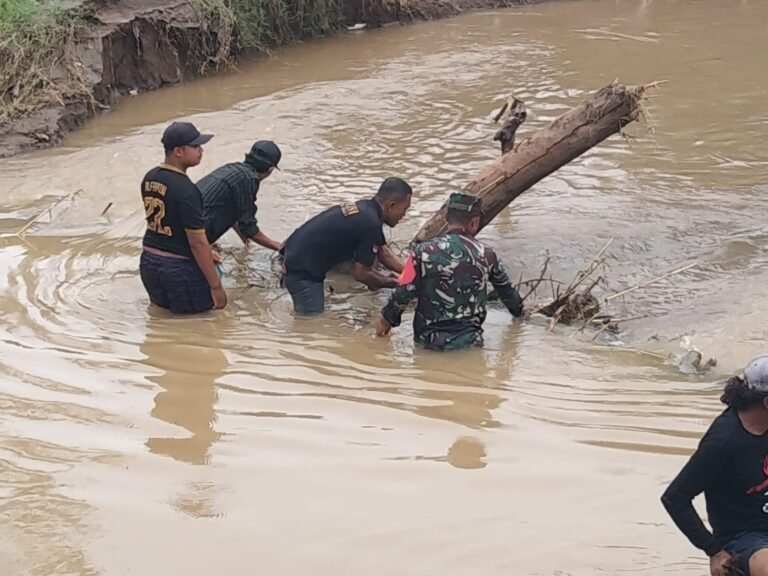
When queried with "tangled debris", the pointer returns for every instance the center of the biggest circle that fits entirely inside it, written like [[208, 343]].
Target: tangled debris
[[577, 303]]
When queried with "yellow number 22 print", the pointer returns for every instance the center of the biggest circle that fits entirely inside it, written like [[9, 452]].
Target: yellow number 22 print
[[155, 210]]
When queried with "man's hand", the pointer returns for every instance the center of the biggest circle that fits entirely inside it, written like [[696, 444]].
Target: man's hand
[[719, 564], [383, 327], [219, 297], [527, 313], [390, 260], [373, 279], [263, 240], [217, 259]]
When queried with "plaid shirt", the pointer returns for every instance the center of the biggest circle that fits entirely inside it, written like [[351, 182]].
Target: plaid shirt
[[229, 198]]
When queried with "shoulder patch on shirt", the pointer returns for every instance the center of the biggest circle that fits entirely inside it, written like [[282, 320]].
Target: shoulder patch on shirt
[[349, 209]]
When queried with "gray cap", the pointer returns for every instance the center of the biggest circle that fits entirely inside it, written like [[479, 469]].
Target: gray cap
[[756, 374]]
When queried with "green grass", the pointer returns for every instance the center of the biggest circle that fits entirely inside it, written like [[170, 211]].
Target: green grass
[[16, 12], [255, 25], [37, 60]]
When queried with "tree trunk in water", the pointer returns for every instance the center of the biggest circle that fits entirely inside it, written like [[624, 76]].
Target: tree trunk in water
[[603, 114]]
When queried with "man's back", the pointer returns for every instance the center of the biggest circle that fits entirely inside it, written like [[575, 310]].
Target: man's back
[[455, 271], [172, 205], [229, 196], [452, 273], [340, 233]]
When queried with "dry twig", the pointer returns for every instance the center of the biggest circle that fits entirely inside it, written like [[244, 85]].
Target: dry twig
[[48, 211]]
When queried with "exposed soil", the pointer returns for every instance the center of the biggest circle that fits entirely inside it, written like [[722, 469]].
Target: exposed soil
[[141, 45]]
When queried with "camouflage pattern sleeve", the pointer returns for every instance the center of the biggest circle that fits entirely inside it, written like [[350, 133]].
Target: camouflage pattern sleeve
[[403, 294], [500, 280]]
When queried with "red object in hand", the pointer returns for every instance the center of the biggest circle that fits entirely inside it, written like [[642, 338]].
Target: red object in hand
[[408, 274]]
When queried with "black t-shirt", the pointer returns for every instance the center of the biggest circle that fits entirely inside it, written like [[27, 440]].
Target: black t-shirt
[[345, 232], [731, 467], [173, 205]]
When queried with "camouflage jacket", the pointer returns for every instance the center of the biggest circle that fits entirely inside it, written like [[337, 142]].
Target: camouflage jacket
[[450, 278]]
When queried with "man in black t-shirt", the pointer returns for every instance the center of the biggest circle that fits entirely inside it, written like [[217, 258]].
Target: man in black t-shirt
[[177, 265], [730, 466], [229, 195], [350, 231]]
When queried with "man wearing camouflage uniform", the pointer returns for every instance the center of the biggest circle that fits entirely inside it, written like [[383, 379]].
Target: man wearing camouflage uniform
[[449, 276]]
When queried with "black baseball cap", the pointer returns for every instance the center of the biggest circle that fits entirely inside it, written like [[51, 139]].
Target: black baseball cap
[[264, 153], [183, 134]]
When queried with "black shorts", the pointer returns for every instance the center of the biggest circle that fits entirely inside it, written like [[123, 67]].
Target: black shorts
[[744, 546], [175, 284]]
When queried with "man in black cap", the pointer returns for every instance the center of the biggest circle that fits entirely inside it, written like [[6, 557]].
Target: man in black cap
[[350, 231], [229, 195], [177, 264]]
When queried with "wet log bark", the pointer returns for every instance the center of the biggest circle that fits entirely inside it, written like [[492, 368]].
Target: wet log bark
[[603, 114]]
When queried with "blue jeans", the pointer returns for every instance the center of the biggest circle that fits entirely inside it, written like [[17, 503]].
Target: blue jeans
[[308, 295], [744, 546]]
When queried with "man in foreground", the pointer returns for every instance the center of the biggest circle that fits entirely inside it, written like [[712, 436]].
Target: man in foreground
[[177, 266], [730, 466], [449, 277], [229, 195], [350, 231]]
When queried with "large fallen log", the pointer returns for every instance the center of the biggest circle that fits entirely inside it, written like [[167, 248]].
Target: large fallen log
[[603, 114]]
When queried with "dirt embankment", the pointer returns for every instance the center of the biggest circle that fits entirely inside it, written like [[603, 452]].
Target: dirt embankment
[[129, 46]]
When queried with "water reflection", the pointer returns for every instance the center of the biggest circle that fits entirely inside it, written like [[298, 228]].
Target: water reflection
[[468, 453], [460, 387], [189, 371]]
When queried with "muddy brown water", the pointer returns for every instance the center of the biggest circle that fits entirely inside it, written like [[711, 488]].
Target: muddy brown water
[[251, 441]]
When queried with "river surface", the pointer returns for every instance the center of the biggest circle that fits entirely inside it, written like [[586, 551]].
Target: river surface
[[252, 442]]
